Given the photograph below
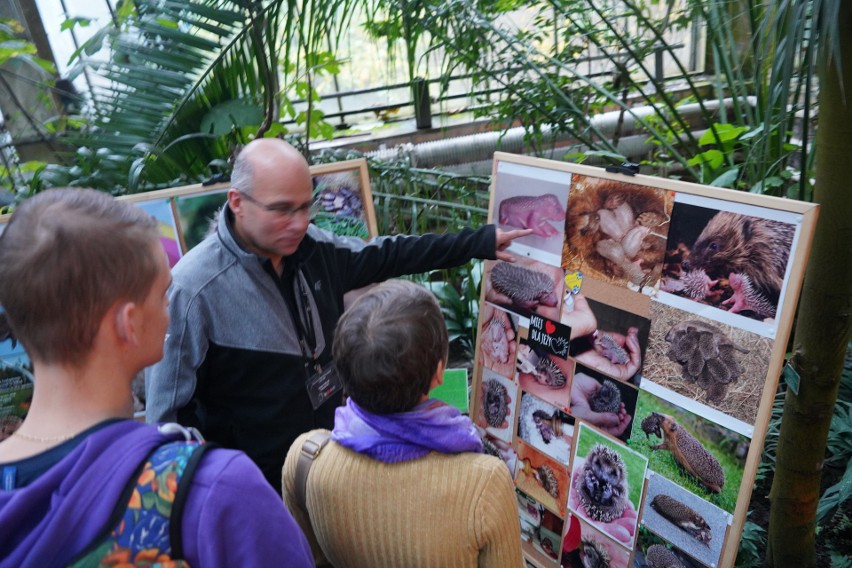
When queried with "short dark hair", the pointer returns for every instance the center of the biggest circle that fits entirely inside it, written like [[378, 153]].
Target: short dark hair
[[388, 345], [67, 256]]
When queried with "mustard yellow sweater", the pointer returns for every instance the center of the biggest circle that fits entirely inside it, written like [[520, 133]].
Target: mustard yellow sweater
[[442, 510]]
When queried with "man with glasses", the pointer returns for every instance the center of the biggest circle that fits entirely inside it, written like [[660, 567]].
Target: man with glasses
[[254, 307]]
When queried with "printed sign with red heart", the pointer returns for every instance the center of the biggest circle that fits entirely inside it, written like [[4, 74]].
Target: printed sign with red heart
[[549, 327]]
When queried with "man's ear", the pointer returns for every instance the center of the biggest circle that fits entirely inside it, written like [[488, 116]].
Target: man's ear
[[125, 327], [234, 200]]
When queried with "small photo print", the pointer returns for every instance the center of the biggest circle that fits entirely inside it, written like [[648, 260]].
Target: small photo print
[[534, 198], [542, 478], [198, 215], [713, 363], [583, 546], [701, 456], [495, 408], [653, 551], [617, 347], [525, 286], [731, 261], [606, 485], [16, 387], [616, 232], [545, 427], [498, 340], [541, 530], [339, 205], [499, 449], [607, 404], [692, 524], [543, 374], [161, 210]]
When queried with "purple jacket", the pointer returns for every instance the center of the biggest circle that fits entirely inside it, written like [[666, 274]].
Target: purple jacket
[[232, 516]]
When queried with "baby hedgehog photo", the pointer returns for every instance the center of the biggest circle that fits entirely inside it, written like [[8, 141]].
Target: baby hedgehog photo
[[658, 556], [606, 399], [686, 450], [683, 516], [526, 288], [495, 403], [706, 356], [603, 484], [593, 554]]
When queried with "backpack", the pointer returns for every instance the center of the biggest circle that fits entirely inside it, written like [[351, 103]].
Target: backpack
[[144, 529]]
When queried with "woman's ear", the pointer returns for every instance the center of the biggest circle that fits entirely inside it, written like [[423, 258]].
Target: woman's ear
[[438, 377]]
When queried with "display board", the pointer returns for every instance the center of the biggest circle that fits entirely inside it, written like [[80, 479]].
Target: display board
[[185, 215], [627, 360]]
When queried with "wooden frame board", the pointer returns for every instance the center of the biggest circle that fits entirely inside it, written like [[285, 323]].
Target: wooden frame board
[[676, 304]]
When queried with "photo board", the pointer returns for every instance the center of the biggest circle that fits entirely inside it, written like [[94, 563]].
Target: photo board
[[627, 360], [343, 204]]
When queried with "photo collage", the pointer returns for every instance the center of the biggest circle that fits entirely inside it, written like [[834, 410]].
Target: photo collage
[[625, 359]]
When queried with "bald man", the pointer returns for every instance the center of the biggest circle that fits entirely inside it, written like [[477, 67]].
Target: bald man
[[254, 307]]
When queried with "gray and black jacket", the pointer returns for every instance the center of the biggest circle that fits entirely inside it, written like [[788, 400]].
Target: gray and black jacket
[[233, 366]]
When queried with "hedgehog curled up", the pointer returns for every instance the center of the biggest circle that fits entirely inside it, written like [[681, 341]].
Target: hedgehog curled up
[[603, 484]]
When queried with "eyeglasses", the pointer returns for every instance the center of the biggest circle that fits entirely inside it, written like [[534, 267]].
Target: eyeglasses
[[281, 209]]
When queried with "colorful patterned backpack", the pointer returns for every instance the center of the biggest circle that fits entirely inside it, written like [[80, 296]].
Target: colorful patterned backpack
[[145, 527]]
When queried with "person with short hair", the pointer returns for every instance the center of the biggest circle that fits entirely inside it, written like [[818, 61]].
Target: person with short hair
[[255, 305], [403, 481], [83, 287]]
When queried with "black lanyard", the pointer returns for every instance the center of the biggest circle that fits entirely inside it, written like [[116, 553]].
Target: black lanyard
[[301, 312]]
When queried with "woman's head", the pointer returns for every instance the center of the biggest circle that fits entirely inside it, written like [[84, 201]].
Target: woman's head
[[388, 346]]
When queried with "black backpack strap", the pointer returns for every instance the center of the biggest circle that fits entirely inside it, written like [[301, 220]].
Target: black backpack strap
[[176, 522], [310, 449]]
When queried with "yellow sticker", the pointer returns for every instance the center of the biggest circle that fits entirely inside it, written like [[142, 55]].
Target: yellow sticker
[[574, 281]]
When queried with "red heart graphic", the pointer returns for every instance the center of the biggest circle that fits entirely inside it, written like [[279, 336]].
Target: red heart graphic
[[549, 327]]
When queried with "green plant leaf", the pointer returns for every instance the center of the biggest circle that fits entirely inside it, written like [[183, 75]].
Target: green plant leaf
[[711, 158]]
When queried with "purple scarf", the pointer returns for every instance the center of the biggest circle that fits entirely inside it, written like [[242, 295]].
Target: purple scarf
[[391, 438]]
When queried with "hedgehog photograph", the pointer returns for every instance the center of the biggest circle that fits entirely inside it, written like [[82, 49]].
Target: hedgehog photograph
[[706, 355], [728, 260], [495, 405], [688, 452], [616, 232], [525, 199], [586, 547], [606, 399], [497, 340], [545, 427], [603, 484], [658, 556], [525, 286], [604, 403], [698, 455], [607, 482], [682, 518], [617, 347], [543, 374], [542, 478], [715, 364]]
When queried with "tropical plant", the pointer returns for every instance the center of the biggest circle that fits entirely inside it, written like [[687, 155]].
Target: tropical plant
[[190, 81], [544, 88]]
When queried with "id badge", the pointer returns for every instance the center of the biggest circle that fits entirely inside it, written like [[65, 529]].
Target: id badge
[[322, 385]]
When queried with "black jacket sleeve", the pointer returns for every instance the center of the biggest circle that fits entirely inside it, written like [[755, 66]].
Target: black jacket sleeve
[[390, 257]]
